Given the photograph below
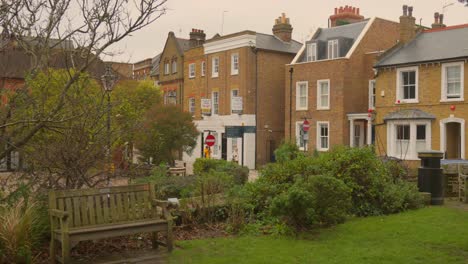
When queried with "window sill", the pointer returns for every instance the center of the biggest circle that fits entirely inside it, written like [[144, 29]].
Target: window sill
[[214, 77], [191, 77], [302, 109], [445, 100], [323, 109], [322, 150], [408, 102], [234, 73]]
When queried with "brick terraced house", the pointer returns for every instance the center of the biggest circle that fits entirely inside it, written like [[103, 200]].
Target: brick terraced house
[[234, 88], [420, 92], [171, 72], [330, 82]]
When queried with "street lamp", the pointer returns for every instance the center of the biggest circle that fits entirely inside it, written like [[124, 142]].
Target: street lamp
[[108, 82]]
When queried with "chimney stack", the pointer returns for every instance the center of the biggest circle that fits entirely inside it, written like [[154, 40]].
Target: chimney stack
[[407, 25], [197, 37], [345, 15], [282, 28]]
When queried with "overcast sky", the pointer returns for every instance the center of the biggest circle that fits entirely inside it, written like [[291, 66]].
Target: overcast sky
[[258, 15]]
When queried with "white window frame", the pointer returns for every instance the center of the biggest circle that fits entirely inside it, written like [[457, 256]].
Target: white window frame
[[298, 97], [234, 63], [411, 153], [299, 133], [174, 66], [311, 52], [236, 92], [167, 68], [372, 94], [203, 68], [192, 70], [215, 107], [399, 86], [215, 67], [319, 95], [192, 105], [444, 95], [333, 49], [319, 135]]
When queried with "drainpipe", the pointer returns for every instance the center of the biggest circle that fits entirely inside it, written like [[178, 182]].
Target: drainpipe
[[291, 70], [256, 106]]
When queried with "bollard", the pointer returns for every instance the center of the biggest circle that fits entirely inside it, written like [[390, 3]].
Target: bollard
[[430, 176]]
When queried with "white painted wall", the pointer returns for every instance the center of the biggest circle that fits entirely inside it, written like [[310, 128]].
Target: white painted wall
[[218, 123]]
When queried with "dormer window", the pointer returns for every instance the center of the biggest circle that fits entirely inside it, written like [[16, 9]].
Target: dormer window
[[311, 52], [333, 50]]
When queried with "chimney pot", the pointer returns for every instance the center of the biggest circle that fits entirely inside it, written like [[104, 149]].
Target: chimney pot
[[405, 10], [410, 11], [341, 9], [441, 19], [354, 10], [358, 11], [336, 11]]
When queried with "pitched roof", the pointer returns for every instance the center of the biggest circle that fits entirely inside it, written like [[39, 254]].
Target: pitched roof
[[155, 65], [184, 44], [270, 42], [430, 45], [351, 31], [408, 114]]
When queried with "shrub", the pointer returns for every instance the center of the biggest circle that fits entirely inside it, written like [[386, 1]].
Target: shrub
[[318, 200], [287, 152], [240, 174], [20, 232], [295, 207], [168, 186], [332, 199]]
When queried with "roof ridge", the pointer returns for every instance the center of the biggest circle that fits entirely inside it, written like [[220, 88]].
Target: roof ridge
[[445, 28]]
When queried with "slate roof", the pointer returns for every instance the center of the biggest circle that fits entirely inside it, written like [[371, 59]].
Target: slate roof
[[430, 45], [270, 42], [155, 65], [351, 31], [408, 114], [184, 44]]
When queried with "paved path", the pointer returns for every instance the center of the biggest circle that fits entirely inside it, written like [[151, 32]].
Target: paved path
[[454, 203]]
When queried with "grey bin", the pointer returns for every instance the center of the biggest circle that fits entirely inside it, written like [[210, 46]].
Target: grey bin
[[431, 177]]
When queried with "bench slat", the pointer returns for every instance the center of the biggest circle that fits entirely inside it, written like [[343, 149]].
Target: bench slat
[[118, 198], [134, 211], [84, 211], [114, 216], [126, 206], [69, 209], [98, 191], [105, 208], [76, 210], [92, 214], [99, 210]]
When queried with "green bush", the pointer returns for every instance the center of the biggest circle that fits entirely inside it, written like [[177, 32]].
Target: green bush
[[168, 186], [287, 152], [318, 200], [240, 174], [332, 199]]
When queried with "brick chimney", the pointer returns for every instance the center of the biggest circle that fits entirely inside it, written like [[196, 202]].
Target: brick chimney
[[345, 15], [438, 21], [197, 37], [282, 28], [407, 25]]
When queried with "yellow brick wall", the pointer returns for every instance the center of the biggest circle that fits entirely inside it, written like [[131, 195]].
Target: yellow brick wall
[[429, 90]]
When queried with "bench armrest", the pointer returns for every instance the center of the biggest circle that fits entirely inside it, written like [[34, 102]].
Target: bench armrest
[[58, 213], [165, 208]]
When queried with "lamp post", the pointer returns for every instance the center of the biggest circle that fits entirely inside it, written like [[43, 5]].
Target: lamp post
[[108, 82]]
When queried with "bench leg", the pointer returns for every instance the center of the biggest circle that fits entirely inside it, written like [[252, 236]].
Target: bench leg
[[169, 240], [154, 240], [52, 253], [66, 249]]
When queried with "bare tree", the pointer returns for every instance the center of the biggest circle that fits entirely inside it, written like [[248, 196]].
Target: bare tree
[[69, 33]]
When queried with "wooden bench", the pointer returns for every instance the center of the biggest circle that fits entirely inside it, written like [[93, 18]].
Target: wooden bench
[[90, 214]]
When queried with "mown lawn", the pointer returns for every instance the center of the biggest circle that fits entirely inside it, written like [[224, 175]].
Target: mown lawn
[[430, 235]]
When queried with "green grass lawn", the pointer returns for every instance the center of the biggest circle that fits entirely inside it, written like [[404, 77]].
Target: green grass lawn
[[430, 235]]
